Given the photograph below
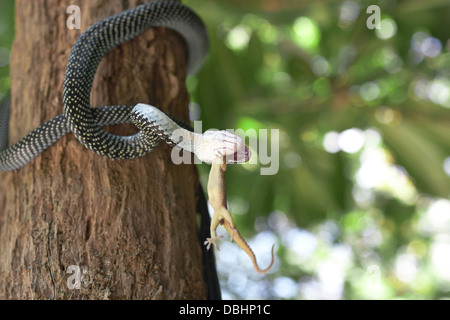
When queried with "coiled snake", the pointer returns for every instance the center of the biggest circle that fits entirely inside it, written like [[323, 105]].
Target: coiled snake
[[86, 123]]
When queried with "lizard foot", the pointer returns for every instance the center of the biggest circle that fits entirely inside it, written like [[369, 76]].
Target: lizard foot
[[210, 241]]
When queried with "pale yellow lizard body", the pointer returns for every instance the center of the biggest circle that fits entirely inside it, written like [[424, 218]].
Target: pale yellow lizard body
[[218, 201]]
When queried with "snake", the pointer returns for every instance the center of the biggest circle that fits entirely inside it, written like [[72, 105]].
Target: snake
[[86, 123]]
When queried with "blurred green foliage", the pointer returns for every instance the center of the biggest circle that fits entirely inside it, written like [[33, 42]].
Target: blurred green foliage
[[359, 207], [363, 146]]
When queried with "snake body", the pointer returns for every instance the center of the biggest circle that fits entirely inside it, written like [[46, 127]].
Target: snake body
[[85, 122]]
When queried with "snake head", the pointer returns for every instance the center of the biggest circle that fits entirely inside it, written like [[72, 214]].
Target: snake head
[[218, 144], [241, 155]]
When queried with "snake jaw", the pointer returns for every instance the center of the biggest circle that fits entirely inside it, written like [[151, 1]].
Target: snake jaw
[[218, 144], [241, 156]]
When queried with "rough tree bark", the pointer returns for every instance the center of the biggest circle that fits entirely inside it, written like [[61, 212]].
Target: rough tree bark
[[129, 226]]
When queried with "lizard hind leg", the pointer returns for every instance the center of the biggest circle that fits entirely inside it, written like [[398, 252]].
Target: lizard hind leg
[[215, 221]]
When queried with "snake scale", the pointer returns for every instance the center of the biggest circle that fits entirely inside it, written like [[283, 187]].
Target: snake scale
[[86, 122]]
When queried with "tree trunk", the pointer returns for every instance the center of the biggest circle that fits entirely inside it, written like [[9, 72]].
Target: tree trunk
[[128, 226]]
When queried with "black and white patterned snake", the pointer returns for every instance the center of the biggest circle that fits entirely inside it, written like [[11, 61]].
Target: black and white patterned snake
[[87, 123]]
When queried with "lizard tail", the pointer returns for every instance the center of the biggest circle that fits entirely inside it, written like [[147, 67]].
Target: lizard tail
[[255, 264], [240, 241]]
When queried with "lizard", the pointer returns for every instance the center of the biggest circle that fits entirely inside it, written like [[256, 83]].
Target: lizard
[[217, 198]]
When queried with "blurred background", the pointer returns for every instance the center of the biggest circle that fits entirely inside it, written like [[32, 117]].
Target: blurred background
[[359, 207]]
